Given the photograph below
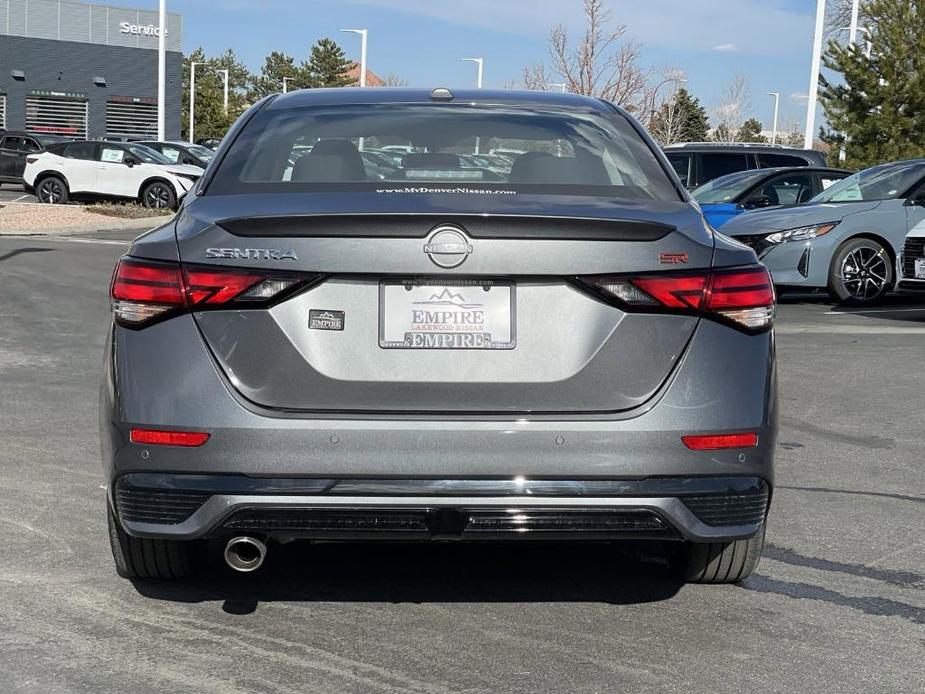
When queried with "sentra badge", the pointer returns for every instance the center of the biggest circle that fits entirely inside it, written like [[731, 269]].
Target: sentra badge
[[251, 253]]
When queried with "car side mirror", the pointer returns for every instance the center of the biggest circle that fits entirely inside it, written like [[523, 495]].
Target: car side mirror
[[918, 201], [757, 201], [131, 161]]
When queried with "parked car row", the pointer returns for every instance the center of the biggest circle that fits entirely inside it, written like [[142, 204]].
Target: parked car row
[[93, 170], [697, 163], [858, 235], [15, 147]]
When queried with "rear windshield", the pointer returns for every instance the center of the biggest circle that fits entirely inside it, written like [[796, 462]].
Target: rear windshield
[[442, 148]]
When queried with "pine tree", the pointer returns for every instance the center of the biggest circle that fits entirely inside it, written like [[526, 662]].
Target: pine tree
[[751, 131], [880, 105], [277, 66], [329, 65], [681, 120], [211, 118]]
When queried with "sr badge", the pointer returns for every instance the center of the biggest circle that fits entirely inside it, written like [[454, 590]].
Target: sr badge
[[324, 319]]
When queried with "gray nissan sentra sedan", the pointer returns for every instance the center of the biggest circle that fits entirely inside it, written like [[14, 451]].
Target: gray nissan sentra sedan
[[561, 349]]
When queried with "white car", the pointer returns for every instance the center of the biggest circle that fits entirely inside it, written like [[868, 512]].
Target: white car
[[911, 262], [108, 170]]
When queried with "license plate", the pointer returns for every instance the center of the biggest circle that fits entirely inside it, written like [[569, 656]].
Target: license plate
[[463, 314], [920, 268]]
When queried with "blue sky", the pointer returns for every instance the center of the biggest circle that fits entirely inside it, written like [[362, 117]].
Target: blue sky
[[422, 41]]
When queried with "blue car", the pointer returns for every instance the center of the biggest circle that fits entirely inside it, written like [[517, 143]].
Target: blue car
[[847, 239], [728, 196]]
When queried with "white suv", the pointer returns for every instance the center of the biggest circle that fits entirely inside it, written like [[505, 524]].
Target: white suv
[[99, 170]]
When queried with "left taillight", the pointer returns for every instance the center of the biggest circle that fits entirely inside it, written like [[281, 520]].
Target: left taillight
[[143, 292]]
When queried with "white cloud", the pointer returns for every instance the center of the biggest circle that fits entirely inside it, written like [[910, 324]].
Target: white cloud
[[725, 48], [689, 26]]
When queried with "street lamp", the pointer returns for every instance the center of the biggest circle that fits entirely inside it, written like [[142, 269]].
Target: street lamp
[[481, 63], [814, 76], [192, 97], [868, 43], [677, 80], [225, 98], [776, 96], [161, 70], [362, 33], [285, 80]]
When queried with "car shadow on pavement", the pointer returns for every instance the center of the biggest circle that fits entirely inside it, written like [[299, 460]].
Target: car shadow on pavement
[[19, 251], [871, 605], [614, 573]]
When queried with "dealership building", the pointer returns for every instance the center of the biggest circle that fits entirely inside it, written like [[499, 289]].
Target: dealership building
[[85, 70]]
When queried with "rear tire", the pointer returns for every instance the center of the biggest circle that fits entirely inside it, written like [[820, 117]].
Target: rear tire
[[861, 272], [137, 557], [51, 190], [159, 195], [717, 562]]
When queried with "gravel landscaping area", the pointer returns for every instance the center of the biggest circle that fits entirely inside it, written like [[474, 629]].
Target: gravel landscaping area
[[37, 218]]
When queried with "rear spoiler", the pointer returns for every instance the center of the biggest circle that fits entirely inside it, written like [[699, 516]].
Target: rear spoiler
[[477, 226]]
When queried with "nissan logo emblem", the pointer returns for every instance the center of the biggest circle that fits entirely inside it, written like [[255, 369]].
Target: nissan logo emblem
[[447, 246]]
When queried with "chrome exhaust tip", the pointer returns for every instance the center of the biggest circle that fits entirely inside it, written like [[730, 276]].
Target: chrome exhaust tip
[[245, 553]]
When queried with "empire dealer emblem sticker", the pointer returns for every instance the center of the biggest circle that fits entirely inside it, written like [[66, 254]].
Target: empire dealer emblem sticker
[[323, 319]]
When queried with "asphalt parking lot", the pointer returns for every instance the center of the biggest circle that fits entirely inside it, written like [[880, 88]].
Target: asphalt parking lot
[[837, 605], [14, 193]]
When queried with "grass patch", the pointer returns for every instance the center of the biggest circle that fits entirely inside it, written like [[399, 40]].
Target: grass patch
[[126, 210]]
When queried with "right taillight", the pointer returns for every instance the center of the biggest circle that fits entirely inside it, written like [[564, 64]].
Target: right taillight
[[144, 291], [743, 296]]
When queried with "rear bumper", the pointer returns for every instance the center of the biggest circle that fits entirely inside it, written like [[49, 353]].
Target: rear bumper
[[181, 506]]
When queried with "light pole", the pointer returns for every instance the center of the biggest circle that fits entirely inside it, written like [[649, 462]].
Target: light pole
[[853, 29], [814, 76], [776, 96], [225, 98], [192, 98], [478, 83], [481, 63], [161, 70], [285, 80], [677, 80], [362, 33]]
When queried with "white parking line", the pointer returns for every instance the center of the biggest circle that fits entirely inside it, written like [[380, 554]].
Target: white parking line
[[21, 197], [848, 330], [861, 311]]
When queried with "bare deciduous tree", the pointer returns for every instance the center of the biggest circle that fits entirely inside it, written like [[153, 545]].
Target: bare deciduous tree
[[534, 77], [838, 16], [731, 110], [602, 64], [667, 124], [393, 80]]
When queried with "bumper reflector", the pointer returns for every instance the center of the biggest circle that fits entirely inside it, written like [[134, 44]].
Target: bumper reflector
[[157, 437], [712, 442]]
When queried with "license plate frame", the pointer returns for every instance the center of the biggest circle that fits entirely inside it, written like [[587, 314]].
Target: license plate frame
[[918, 269], [445, 296]]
